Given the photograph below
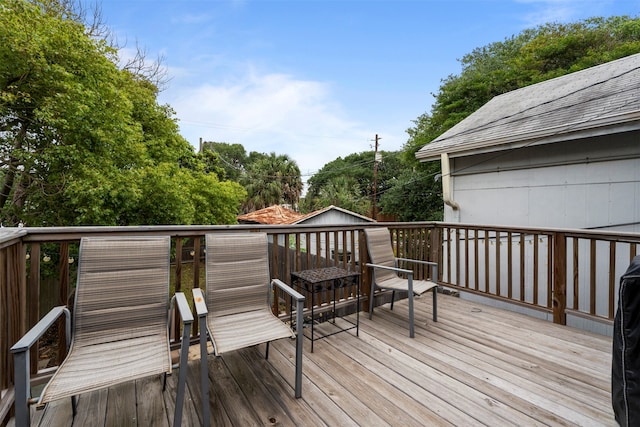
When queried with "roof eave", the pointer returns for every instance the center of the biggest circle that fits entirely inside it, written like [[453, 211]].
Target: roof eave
[[603, 126]]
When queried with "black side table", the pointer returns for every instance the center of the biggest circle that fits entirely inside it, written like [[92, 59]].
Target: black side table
[[320, 283]]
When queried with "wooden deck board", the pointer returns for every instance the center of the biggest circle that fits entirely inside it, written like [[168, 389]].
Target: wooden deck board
[[477, 365], [430, 384]]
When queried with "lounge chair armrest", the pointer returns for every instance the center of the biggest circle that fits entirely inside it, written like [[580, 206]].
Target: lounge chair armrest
[[434, 266], [418, 261], [385, 267], [183, 308], [288, 289], [199, 302], [41, 327]]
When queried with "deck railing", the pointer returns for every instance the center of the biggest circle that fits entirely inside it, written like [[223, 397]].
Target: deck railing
[[553, 271]]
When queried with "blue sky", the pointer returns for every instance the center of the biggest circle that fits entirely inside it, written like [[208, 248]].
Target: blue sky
[[318, 79]]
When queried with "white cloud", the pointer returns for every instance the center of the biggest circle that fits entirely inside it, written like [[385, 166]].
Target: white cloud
[[270, 112], [190, 19]]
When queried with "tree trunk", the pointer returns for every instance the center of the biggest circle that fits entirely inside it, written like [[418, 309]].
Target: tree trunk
[[9, 178]]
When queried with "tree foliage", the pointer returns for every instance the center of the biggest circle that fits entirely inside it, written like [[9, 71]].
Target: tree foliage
[[349, 183], [85, 142], [232, 158], [415, 195], [271, 180]]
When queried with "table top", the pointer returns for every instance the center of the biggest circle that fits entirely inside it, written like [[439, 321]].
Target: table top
[[317, 275]]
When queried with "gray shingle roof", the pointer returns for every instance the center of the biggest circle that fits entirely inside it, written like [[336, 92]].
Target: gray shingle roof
[[601, 99]]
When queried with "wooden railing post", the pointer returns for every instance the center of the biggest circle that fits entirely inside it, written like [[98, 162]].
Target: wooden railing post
[[14, 283], [435, 248], [559, 278], [365, 272]]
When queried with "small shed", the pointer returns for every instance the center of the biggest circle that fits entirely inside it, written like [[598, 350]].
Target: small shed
[[332, 215], [329, 216]]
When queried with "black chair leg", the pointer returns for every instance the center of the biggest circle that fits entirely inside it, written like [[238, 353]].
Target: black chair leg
[[266, 356], [435, 304], [74, 406], [393, 297]]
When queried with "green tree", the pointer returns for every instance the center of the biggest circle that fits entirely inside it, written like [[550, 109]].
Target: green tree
[[84, 142], [341, 191], [232, 158], [349, 183], [270, 180], [415, 195]]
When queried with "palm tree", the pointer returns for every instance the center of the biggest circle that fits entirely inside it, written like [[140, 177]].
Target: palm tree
[[271, 180]]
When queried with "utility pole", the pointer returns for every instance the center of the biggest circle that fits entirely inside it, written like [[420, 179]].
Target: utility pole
[[376, 160]]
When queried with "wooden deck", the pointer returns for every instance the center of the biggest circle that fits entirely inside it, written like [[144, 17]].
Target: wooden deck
[[476, 366]]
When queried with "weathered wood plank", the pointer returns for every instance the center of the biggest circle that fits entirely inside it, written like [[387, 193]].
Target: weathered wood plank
[[218, 416], [472, 396], [338, 392], [150, 409], [92, 408], [527, 367], [276, 386], [379, 396], [56, 414], [229, 396], [282, 357], [454, 402], [541, 340], [539, 396], [190, 416], [258, 395], [121, 405]]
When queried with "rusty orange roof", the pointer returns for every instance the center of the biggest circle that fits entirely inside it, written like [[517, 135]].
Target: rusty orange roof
[[275, 214]]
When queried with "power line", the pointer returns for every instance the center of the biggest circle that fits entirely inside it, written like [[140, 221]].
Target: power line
[[375, 175]]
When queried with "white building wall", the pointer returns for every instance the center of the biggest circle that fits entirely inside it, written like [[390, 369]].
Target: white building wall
[[593, 185]]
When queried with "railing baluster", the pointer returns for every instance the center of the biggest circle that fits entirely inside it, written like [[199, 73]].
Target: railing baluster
[[612, 280], [509, 265], [592, 278], [535, 269], [576, 274]]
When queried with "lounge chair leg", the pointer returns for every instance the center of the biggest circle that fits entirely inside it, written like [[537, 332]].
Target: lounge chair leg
[[204, 372], [164, 382], [299, 348], [393, 298], [435, 304], [411, 327], [371, 300], [22, 389], [266, 355], [182, 375], [74, 407]]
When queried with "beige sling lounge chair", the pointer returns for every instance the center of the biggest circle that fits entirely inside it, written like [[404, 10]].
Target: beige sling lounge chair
[[236, 312], [120, 328], [386, 273]]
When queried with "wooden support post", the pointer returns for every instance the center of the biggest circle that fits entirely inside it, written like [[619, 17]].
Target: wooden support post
[[559, 278]]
